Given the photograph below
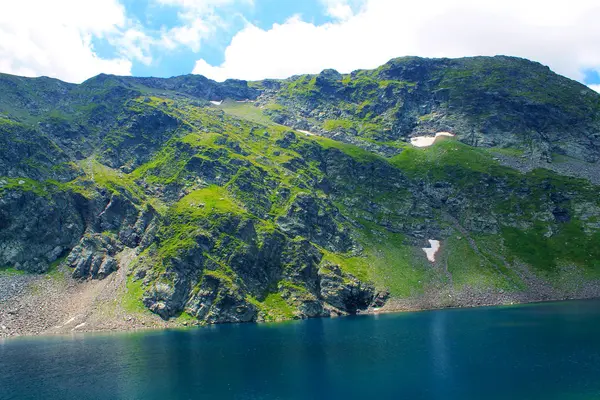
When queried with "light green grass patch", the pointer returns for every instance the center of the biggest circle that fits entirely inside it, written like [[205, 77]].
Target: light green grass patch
[[131, 299], [202, 202], [471, 269], [390, 264], [10, 271], [111, 179], [274, 307], [335, 124], [353, 151], [245, 110]]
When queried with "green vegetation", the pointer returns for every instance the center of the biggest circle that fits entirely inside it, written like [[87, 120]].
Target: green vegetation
[[56, 270], [185, 317], [353, 151], [10, 271], [508, 151], [247, 111], [470, 268], [203, 202], [115, 181], [335, 124], [570, 244], [131, 298], [274, 307], [393, 265], [253, 208], [448, 160]]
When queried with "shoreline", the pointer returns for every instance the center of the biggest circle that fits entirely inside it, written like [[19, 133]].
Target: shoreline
[[56, 304], [367, 313], [388, 309]]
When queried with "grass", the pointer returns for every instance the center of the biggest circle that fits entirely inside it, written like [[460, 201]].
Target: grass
[[508, 151], [42, 189], [131, 299], [199, 140], [247, 111], [10, 271], [471, 269], [56, 269], [570, 244], [387, 262], [259, 175], [274, 307], [448, 159], [203, 202], [336, 124], [353, 151], [185, 317], [394, 266], [115, 181], [356, 266]]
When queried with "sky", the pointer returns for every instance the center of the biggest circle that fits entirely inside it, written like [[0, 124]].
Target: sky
[[73, 40]]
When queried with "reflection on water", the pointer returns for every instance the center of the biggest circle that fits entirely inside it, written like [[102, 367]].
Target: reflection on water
[[546, 351], [440, 357]]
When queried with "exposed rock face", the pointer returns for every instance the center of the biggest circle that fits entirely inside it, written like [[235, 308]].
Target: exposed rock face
[[344, 292], [216, 302], [35, 230], [93, 257], [195, 284], [314, 219]]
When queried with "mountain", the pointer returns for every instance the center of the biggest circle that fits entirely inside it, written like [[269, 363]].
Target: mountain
[[206, 202]]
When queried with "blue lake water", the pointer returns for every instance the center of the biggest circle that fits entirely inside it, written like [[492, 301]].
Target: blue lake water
[[540, 351]]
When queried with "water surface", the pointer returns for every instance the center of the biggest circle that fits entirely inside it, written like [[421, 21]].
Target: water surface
[[541, 351]]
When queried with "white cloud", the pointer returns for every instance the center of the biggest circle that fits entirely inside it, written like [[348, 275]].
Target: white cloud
[[338, 9], [563, 35], [202, 6], [595, 87], [199, 21], [54, 38], [134, 44]]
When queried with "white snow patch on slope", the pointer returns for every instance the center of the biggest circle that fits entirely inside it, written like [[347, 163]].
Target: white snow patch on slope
[[79, 326], [216, 103], [432, 251], [426, 141]]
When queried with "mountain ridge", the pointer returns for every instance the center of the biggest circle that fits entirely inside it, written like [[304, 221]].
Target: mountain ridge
[[205, 202]]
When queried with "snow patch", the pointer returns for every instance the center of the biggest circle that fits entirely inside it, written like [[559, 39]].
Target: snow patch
[[426, 141], [307, 133], [432, 251], [216, 103], [79, 326]]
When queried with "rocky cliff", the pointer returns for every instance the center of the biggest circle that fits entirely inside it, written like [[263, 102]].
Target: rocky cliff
[[235, 201]]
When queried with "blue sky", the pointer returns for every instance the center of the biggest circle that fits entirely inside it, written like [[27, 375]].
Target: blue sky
[[74, 40], [591, 77], [261, 13]]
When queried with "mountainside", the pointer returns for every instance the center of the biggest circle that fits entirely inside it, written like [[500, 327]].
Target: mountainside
[[230, 202]]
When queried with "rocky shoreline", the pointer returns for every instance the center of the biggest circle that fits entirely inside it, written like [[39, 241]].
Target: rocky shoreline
[[56, 304]]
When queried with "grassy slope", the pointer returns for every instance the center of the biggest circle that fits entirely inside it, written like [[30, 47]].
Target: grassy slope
[[250, 139], [391, 264]]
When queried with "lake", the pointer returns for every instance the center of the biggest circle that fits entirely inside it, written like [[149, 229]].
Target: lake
[[537, 351]]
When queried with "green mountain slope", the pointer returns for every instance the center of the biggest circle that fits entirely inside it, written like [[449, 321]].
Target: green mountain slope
[[303, 197]]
